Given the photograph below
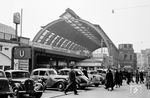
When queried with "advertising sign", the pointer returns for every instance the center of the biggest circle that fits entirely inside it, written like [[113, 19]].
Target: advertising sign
[[16, 18], [23, 65]]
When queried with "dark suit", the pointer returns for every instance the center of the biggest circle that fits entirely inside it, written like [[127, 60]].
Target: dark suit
[[72, 82]]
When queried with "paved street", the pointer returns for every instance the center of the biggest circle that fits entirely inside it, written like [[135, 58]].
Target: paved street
[[126, 91]]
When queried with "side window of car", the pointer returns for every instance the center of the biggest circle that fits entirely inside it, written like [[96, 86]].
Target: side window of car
[[8, 75], [35, 73], [42, 73], [46, 74]]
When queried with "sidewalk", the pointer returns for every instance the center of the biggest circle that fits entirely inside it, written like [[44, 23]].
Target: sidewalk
[[126, 91]]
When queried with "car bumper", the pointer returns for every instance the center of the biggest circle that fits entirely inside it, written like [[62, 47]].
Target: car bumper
[[6, 93], [29, 92], [85, 84]]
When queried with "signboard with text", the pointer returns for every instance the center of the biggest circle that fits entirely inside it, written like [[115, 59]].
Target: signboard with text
[[22, 53]]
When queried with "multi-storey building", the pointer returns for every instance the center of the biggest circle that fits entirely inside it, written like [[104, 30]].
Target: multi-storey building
[[7, 35], [143, 59], [127, 56]]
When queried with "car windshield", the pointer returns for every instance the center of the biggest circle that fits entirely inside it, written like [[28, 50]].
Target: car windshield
[[52, 72], [16, 75], [93, 72], [2, 75]]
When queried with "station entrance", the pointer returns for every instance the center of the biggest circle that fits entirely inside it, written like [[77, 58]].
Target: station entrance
[[29, 58]]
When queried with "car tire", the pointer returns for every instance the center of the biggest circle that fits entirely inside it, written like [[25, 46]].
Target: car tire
[[15, 93], [82, 87], [38, 95], [96, 85], [60, 86]]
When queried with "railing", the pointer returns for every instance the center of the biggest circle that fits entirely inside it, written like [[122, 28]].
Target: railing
[[6, 36]]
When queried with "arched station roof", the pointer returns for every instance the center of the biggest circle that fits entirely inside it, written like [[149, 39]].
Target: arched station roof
[[72, 33]]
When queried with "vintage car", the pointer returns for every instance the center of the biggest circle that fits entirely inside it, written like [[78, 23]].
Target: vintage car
[[23, 85], [5, 88], [83, 81], [50, 77], [102, 72], [96, 78]]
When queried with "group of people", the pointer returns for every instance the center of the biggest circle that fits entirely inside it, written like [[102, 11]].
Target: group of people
[[113, 79]]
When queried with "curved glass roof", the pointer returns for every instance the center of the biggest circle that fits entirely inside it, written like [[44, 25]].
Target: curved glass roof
[[72, 33]]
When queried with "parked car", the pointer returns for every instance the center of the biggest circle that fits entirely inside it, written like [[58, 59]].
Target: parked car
[[83, 81], [5, 88], [95, 78], [102, 72], [22, 84], [50, 77]]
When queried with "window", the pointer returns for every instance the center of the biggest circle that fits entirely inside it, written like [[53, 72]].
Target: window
[[1, 47], [2, 75], [42, 73], [125, 56], [125, 46], [130, 57], [6, 48], [35, 73], [51, 72], [8, 75]]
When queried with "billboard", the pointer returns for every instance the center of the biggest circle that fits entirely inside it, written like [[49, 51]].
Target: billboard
[[16, 18]]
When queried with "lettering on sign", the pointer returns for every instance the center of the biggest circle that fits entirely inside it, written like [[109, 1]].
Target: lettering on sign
[[21, 53]]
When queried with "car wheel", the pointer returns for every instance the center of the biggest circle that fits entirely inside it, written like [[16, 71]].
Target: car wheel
[[82, 87], [60, 86], [96, 85], [38, 95], [15, 93]]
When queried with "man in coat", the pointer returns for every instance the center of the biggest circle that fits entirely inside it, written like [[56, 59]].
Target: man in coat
[[72, 81], [109, 80], [117, 79]]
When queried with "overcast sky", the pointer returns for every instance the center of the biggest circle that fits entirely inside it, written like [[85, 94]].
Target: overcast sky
[[130, 22]]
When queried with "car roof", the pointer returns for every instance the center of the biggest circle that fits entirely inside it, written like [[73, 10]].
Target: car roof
[[44, 69], [16, 71], [65, 69], [69, 69]]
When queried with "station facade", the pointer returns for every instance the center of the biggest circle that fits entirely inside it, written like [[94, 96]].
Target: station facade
[[69, 39]]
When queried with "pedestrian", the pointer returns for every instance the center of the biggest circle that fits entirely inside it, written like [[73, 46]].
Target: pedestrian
[[128, 76], [109, 80], [141, 77], [121, 77], [117, 79], [137, 77], [72, 82], [148, 79]]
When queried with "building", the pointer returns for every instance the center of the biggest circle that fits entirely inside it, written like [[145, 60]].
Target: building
[[143, 59], [127, 57], [7, 34], [100, 59]]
